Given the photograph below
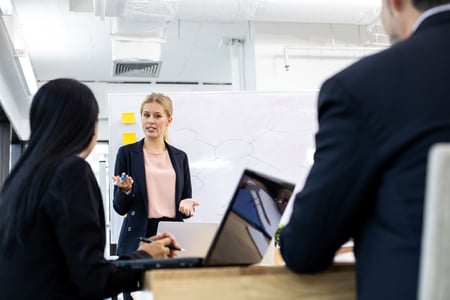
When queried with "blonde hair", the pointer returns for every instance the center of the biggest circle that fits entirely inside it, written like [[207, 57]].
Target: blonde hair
[[164, 101]]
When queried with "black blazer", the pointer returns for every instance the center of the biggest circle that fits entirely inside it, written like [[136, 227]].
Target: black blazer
[[62, 254], [130, 159], [377, 121]]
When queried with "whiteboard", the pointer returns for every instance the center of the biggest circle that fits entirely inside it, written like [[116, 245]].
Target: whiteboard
[[223, 133]]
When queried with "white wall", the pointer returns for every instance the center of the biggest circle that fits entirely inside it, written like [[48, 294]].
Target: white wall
[[263, 67], [102, 90], [307, 68], [264, 61]]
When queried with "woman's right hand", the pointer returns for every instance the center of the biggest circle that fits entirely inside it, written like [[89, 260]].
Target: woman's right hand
[[124, 182], [161, 245]]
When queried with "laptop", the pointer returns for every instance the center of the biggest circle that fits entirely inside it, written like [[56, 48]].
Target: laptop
[[245, 232], [196, 238]]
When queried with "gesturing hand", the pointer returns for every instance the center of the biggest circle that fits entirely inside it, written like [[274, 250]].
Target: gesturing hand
[[187, 206], [124, 182]]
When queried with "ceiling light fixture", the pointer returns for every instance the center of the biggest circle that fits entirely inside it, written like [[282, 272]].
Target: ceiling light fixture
[[27, 70], [6, 7]]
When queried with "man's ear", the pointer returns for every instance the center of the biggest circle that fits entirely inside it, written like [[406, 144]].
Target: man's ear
[[398, 5]]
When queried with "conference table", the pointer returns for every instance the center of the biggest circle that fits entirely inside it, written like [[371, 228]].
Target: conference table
[[260, 282]]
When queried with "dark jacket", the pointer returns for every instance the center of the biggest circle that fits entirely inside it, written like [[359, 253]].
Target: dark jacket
[[130, 159], [62, 254], [377, 121]]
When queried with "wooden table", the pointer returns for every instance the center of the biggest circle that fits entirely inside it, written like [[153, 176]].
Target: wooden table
[[253, 282]]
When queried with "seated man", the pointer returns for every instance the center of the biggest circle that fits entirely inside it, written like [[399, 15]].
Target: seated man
[[377, 121]]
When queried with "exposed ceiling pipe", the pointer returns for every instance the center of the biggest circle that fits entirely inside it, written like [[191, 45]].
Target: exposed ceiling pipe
[[147, 20], [100, 9], [297, 11], [350, 52]]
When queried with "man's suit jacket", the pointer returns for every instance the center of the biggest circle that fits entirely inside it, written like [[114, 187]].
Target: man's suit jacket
[[377, 121], [130, 159]]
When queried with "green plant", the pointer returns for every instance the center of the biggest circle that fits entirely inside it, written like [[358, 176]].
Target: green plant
[[276, 240]]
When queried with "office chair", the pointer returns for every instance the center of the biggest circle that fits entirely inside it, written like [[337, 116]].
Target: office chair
[[434, 274]]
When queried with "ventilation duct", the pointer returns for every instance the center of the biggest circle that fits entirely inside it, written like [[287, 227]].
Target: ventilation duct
[[156, 10], [136, 57], [136, 68], [129, 29], [138, 27], [304, 11], [134, 22]]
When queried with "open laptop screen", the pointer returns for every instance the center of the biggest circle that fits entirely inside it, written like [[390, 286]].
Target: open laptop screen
[[250, 221]]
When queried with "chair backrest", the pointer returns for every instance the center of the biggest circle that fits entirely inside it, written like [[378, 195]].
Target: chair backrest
[[434, 276]]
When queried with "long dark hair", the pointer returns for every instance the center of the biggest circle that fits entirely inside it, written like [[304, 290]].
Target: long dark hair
[[63, 115]]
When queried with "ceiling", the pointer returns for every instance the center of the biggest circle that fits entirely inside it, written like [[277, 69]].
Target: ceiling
[[73, 37]]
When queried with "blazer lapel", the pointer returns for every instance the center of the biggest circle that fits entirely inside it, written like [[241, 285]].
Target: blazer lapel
[[137, 156], [176, 161]]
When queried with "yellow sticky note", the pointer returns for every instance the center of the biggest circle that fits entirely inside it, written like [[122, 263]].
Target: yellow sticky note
[[128, 118], [128, 138]]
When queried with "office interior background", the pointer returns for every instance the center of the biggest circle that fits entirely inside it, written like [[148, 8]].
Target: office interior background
[[141, 46]]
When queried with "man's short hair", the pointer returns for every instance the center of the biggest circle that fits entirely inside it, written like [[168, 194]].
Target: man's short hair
[[426, 4]]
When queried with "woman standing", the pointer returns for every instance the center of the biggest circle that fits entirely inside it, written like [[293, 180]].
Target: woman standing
[[152, 181]]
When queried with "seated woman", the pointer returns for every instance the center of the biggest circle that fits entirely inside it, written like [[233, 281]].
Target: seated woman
[[52, 226]]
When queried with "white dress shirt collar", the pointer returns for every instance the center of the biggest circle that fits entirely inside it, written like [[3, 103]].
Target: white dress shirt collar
[[428, 13]]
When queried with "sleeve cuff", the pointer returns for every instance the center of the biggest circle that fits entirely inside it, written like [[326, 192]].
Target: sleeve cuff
[[136, 255]]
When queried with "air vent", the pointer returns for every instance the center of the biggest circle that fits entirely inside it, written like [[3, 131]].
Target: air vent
[[140, 68]]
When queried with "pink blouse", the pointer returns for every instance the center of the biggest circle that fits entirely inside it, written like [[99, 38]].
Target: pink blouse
[[160, 179]]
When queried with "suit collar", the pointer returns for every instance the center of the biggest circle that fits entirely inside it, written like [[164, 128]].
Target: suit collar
[[434, 16], [137, 147], [172, 150]]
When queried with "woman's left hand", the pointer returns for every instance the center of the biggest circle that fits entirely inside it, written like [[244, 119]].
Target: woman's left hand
[[187, 206]]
